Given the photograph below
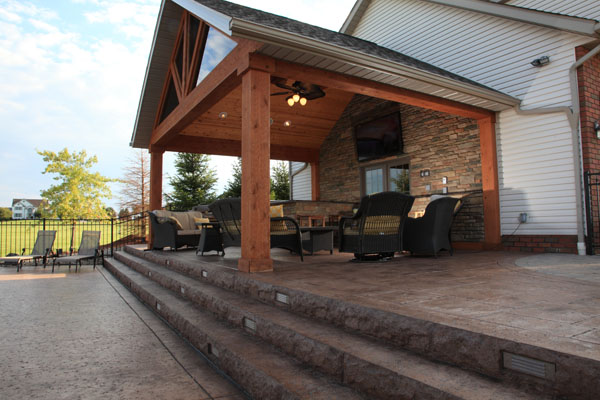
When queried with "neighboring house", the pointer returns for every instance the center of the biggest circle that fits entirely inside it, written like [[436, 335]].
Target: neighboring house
[[454, 80], [25, 208]]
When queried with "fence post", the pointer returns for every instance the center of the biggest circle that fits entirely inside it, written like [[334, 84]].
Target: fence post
[[589, 248], [44, 224], [112, 241]]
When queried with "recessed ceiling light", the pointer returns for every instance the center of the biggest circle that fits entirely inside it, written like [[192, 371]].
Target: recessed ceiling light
[[223, 114], [287, 123]]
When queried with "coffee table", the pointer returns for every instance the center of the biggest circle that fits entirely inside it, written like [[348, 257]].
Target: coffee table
[[318, 238]]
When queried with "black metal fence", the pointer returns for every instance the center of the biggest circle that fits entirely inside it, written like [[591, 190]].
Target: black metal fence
[[592, 207], [16, 235]]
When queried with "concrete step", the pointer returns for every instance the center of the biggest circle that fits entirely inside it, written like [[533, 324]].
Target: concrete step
[[261, 370], [571, 375], [376, 369]]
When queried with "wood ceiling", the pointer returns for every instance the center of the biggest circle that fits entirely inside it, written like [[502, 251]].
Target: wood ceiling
[[310, 124]]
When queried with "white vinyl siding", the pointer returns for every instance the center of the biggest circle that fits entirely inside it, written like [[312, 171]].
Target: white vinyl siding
[[576, 8], [301, 183], [535, 154], [535, 168]]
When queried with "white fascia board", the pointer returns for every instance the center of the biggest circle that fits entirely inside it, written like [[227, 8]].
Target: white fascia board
[[355, 15], [212, 17], [297, 42], [581, 26]]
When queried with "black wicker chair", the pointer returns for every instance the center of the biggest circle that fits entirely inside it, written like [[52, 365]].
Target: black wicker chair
[[377, 226], [431, 233], [285, 232]]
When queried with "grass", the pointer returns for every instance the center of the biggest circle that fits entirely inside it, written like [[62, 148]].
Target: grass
[[18, 234]]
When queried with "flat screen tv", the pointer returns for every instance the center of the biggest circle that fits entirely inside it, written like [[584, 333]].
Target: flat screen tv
[[379, 137]]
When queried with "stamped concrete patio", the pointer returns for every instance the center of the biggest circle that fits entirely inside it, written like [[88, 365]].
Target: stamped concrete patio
[[82, 335]]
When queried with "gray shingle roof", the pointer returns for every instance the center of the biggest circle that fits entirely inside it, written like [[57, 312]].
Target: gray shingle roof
[[328, 36]]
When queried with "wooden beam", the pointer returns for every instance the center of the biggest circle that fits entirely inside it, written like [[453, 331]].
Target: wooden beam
[[284, 69], [314, 181], [489, 181], [215, 86], [256, 226], [225, 147]]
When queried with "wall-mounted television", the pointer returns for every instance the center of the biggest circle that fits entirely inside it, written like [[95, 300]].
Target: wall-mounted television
[[379, 137]]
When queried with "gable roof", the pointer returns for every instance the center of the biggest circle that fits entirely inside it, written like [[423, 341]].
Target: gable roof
[[34, 202], [578, 25], [302, 43]]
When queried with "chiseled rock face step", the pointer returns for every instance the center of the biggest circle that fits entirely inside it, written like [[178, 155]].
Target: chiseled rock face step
[[575, 376], [376, 369], [262, 371]]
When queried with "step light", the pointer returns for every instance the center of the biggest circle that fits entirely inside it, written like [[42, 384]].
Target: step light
[[282, 298], [204, 274], [158, 306], [150, 274], [249, 324], [529, 366], [213, 350], [182, 290]]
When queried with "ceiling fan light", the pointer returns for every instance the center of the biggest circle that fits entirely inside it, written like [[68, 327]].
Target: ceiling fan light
[[296, 97], [290, 101], [303, 101]]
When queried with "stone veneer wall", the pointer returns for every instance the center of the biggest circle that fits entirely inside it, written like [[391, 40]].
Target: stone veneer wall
[[446, 145]]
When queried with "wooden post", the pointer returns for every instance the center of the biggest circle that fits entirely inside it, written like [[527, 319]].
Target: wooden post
[[489, 181], [256, 138], [314, 181], [156, 166]]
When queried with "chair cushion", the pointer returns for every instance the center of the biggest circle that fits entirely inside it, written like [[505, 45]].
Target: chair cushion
[[185, 232], [164, 220], [276, 211]]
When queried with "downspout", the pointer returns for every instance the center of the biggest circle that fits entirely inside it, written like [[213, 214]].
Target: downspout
[[292, 175], [573, 117]]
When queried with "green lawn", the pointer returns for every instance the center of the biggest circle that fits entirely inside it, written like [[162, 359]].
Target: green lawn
[[18, 234]]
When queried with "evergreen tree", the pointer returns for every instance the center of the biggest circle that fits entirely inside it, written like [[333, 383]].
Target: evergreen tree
[[193, 183], [5, 213], [234, 185], [280, 181]]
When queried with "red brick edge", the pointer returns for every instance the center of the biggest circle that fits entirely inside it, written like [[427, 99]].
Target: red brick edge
[[540, 243]]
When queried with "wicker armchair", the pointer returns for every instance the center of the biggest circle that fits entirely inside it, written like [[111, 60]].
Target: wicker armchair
[[431, 233], [377, 226], [285, 232]]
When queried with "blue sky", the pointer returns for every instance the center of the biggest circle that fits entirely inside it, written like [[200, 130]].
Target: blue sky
[[71, 73]]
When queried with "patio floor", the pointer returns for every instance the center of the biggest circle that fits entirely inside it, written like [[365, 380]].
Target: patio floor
[[83, 335], [547, 300]]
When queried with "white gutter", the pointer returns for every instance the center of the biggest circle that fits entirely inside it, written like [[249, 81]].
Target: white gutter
[[573, 117], [577, 25], [297, 42]]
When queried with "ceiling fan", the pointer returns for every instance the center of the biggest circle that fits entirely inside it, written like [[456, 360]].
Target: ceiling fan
[[298, 92]]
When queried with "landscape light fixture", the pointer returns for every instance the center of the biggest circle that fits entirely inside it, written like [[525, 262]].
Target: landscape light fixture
[[540, 62]]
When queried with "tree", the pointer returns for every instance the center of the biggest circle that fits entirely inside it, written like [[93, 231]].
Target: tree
[[135, 185], [280, 181], [111, 212], [80, 192], [193, 183], [5, 213], [234, 185], [124, 212]]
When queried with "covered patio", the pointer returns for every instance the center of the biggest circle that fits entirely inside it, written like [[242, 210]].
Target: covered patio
[[234, 109]]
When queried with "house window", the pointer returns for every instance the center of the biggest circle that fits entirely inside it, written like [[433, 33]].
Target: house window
[[390, 176], [17, 215]]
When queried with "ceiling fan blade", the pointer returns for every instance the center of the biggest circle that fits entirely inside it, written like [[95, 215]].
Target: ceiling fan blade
[[280, 93]]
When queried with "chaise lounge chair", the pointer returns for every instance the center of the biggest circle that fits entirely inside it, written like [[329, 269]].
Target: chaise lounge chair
[[41, 250], [88, 249]]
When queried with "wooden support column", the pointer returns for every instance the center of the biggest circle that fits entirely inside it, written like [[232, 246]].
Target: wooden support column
[[314, 181], [156, 167], [256, 138], [489, 180]]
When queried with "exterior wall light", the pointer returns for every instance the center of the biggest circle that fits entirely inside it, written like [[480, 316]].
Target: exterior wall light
[[540, 62], [597, 129]]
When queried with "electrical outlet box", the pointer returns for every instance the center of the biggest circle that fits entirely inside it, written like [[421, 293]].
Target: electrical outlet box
[[444, 180], [523, 218]]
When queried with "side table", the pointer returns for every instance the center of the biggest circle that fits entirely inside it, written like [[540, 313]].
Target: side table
[[210, 239], [319, 238]]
